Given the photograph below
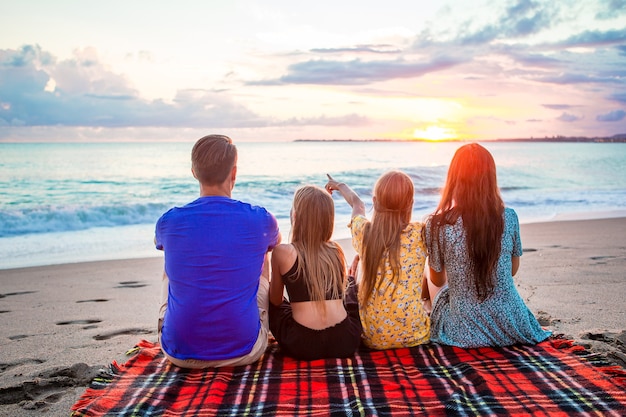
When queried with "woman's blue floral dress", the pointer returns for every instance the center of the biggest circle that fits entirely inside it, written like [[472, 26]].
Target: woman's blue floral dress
[[459, 318]]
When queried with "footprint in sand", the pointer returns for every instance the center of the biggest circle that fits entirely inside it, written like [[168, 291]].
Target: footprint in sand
[[131, 284], [135, 331], [9, 294], [16, 293], [88, 324], [601, 260], [6, 366], [48, 387], [617, 339], [546, 319], [65, 323], [609, 344]]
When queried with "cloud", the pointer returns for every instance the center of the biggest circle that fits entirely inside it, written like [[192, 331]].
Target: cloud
[[535, 59], [85, 74], [596, 38], [619, 97], [521, 19], [573, 78], [351, 120], [558, 106], [508, 34], [501, 46], [86, 93], [26, 55], [358, 72], [527, 17], [566, 117], [376, 49], [612, 116], [611, 9]]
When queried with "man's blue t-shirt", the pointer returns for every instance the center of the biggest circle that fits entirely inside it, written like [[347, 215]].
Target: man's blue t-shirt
[[214, 251]]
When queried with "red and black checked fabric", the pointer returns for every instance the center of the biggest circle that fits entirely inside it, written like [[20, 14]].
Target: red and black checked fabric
[[553, 378]]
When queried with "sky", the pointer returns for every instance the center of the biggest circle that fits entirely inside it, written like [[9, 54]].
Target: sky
[[282, 70]]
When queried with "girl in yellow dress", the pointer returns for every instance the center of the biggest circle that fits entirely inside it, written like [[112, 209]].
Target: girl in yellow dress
[[392, 253]]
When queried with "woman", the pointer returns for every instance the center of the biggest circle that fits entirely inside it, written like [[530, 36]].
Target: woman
[[321, 318], [474, 250], [392, 254]]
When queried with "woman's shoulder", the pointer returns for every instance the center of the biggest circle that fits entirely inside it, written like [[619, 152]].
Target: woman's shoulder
[[284, 250], [510, 214], [358, 221], [417, 226], [414, 232], [284, 256]]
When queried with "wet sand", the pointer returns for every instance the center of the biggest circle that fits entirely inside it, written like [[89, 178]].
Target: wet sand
[[60, 324]]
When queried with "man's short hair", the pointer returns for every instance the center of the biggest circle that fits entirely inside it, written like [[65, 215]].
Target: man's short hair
[[213, 158]]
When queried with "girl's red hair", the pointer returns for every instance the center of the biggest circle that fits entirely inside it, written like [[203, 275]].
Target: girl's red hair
[[471, 192]]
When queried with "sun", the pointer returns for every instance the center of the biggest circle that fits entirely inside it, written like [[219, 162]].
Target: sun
[[434, 133]]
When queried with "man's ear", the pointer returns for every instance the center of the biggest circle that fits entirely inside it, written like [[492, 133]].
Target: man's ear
[[194, 173], [233, 177]]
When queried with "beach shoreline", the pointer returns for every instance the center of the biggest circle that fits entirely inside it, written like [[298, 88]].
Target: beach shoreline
[[137, 241], [62, 323]]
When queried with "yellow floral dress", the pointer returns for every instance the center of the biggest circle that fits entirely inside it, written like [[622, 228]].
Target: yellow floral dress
[[394, 316]]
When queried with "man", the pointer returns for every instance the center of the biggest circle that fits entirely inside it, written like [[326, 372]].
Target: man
[[216, 281]]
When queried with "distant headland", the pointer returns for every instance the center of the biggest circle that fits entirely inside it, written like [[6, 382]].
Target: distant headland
[[620, 138]]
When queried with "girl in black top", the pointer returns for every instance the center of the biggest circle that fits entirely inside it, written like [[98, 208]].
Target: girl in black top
[[321, 317]]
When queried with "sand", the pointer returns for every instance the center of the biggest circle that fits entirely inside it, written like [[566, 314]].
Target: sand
[[61, 324]]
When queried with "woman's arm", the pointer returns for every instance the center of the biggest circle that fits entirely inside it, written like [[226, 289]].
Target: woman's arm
[[437, 278], [352, 198], [432, 281], [283, 258], [276, 286], [353, 271], [515, 264], [276, 283]]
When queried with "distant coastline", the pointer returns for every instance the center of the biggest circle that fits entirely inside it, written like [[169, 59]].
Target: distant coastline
[[621, 138]]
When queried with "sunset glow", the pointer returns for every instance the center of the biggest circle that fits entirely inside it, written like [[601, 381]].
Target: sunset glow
[[280, 70], [434, 133]]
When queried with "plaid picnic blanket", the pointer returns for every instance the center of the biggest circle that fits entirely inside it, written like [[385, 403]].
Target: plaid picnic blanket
[[555, 378]]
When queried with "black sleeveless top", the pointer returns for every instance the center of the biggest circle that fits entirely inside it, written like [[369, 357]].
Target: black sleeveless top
[[296, 286]]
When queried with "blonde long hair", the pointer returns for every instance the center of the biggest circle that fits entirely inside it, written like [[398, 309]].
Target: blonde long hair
[[393, 206], [321, 261]]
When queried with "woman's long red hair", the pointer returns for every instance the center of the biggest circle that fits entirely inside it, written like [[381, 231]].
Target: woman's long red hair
[[471, 192]]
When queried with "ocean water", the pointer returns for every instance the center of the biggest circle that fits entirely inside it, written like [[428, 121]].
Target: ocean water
[[79, 202]]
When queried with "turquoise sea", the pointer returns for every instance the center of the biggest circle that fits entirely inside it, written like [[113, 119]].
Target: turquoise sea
[[73, 202]]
